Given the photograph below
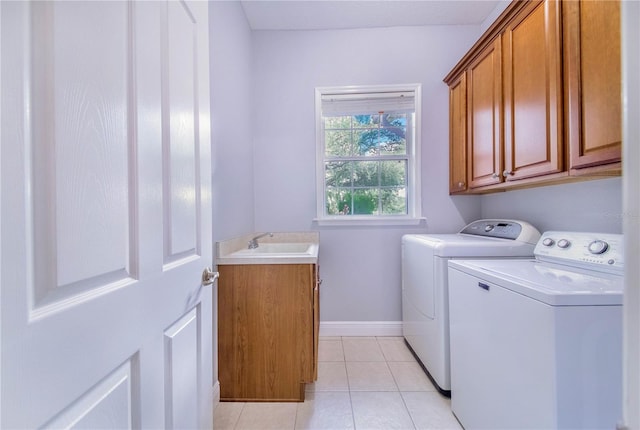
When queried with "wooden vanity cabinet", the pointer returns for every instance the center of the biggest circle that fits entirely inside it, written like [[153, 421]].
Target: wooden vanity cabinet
[[267, 331], [593, 85], [533, 120], [458, 135]]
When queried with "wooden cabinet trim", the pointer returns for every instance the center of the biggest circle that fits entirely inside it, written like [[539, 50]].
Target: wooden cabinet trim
[[487, 38]]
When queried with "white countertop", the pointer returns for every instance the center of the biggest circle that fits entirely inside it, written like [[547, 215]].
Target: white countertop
[[235, 251]]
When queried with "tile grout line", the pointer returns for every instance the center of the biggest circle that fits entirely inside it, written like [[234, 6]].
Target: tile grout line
[[397, 386]]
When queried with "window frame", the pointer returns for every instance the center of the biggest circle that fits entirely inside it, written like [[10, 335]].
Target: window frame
[[413, 186]]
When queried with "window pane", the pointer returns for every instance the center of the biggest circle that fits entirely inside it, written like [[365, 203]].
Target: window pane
[[338, 201], [338, 173], [395, 129], [393, 173], [394, 201], [365, 173], [338, 143], [341, 122], [365, 201], [365, 121], [367, 141]]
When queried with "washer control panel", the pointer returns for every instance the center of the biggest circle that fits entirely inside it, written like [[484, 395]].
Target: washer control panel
[[519, 231], [596, 251]]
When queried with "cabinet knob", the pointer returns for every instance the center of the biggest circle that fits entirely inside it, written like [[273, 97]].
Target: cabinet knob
[[495, 176], [507, 173], [461, 184]]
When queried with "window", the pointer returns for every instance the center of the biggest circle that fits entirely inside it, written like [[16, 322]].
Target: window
[[368, 159]]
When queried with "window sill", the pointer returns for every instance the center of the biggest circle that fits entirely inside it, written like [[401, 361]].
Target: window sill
[[347, 220]]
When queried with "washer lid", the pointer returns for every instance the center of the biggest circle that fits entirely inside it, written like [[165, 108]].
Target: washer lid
[[461, 245], [550, 283]]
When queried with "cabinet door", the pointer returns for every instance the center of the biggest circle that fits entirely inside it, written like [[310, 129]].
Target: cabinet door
[[265, 331], [316, 320], [593, 82], [484, 99], [458, 135], [533, 92]]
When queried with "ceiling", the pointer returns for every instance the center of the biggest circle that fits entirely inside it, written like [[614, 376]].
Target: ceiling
[[332, 14]]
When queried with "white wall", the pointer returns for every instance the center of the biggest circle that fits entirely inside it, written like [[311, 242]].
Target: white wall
[[594, 206], [232, 151], [489, 20], [231, 98], [360, 266], [631, 160]]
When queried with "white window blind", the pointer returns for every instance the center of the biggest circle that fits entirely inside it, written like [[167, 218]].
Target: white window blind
[[363, 103]]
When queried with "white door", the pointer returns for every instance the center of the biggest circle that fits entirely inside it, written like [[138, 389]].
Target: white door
[[105, 214]]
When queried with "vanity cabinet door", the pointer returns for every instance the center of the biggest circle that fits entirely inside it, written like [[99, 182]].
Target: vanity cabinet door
[[533, 129], [316, 320], [265, 331], [593, 82]]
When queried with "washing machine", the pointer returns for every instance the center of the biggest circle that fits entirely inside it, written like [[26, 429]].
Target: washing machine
[[425, 310], [537, 344]]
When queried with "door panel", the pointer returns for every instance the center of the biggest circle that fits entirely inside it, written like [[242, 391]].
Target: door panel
[[105, 215], [181, 372], [81, 151], [111, 401], [180, 149]]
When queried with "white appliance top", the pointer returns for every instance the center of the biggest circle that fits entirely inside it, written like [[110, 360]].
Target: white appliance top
[[569, 269], [483, 238]]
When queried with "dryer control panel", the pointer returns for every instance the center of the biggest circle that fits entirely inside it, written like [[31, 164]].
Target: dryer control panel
[[595, 251]]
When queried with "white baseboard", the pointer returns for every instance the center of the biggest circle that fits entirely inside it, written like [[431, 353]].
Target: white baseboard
[[216, 394], [360, 328]]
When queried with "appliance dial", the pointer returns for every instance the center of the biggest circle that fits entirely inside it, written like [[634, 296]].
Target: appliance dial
[[598, 247], [564, 243], [548, 242], [489, 227]]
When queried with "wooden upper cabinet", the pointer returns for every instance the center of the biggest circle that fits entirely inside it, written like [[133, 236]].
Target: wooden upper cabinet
[[484, 98], [592, 82], [533, 106], [458, 135], [543, 98]]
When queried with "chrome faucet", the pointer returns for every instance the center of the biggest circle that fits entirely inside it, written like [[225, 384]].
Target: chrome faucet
[[253, 243]]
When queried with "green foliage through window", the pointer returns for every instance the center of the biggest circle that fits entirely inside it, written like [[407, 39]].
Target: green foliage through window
[[366, 163]]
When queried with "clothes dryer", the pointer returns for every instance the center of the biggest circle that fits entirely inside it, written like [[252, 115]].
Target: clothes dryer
[[425, 309]]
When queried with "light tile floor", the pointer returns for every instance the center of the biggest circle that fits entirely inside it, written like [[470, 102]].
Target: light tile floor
[[363, 383]]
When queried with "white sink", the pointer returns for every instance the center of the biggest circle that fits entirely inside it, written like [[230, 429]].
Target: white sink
[[281, 248], [276, 248]]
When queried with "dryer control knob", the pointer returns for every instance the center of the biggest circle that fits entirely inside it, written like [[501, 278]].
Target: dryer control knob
[[548, 242], [489, 227], [598, 247], [564, 243]]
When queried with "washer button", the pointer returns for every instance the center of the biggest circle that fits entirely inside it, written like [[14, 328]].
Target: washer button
[[564, 243], [548, 242], [488, 227]]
